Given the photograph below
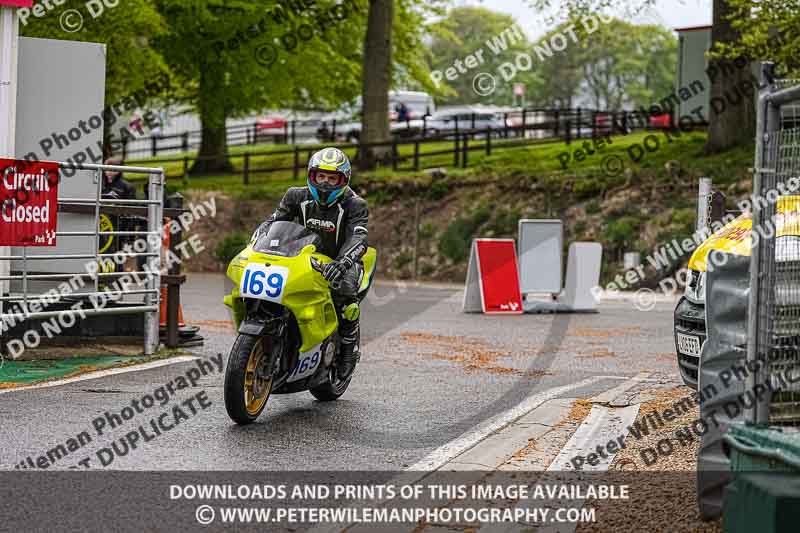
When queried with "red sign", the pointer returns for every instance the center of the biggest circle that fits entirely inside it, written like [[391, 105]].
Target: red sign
[[28, 203], [17, 3], [498, 275]]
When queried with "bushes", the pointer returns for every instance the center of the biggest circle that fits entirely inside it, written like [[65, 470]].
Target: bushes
[[438, 190], [231, 245], [593, 207], [504, 223], [623, 231], [456, 240], [587, 187], [681, 225]]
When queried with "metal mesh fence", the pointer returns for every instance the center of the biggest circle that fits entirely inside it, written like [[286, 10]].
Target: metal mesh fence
[[774, 320]]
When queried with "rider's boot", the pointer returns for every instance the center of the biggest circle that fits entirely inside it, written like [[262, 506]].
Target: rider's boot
[[350, 332]]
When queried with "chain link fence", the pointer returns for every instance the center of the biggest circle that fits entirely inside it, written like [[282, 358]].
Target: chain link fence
[[774, 306]]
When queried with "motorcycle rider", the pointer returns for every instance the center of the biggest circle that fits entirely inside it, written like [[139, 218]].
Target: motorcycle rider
[[329, 207]]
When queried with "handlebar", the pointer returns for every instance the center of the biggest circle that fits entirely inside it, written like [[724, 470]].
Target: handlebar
[[319, 267]]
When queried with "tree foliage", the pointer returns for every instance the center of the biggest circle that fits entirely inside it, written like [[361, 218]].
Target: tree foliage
[[625, 65], [769, 31], [613, 65], [477, 31], [247, 56], [740, 27]]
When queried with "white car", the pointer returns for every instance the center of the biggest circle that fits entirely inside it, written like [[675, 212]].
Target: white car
[[444, 123]]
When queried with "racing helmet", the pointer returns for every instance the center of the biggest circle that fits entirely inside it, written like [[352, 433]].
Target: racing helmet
[[328, 160]]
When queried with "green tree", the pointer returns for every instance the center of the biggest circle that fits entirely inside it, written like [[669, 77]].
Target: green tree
[[127, 30], [392, 56], [376, 83], [726, 130], [627, 65], [770, 31], [247, 56], [617, 65], [561, 74], [479, 32]]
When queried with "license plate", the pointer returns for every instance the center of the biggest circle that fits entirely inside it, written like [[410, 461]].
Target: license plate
[[689, 344], [264, 282]]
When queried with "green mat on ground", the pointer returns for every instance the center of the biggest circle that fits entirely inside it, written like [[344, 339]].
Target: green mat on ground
[[26, 372]]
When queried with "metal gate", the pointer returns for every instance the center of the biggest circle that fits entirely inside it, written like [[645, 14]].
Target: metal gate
[[773, 321], [145, 282]]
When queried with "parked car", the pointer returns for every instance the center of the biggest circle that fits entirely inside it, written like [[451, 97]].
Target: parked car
[[418, 105], [447, 122], [734, 238]]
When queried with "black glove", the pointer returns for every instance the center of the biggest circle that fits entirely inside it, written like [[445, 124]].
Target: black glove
[[334, 270]]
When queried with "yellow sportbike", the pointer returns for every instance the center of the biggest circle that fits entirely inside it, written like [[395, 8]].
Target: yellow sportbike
[[287, 322]]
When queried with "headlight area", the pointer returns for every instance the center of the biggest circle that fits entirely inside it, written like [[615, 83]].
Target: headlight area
[[695, 289]]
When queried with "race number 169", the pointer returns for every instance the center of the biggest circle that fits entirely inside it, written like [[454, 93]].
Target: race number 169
[[264, 283]]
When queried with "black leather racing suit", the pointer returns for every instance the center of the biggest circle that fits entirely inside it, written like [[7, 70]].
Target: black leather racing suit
[[343, 228]]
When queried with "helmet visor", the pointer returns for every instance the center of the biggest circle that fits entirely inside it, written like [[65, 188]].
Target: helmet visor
[[327, 178]]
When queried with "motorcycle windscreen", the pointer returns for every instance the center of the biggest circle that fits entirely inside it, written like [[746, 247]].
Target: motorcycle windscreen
[[286, 239]]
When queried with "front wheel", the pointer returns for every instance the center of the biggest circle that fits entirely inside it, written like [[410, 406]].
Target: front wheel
[[247, 383]]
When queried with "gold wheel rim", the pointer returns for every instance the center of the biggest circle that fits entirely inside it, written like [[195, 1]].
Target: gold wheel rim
[[256, 389]]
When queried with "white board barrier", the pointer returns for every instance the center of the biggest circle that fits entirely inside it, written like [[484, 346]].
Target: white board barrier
[[583, 274], [540, 263]]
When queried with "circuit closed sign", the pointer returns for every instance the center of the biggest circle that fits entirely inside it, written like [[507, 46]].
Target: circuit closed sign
[[28, 203]]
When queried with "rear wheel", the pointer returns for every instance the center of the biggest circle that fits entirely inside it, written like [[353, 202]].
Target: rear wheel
[[333, 388], [247, 385]]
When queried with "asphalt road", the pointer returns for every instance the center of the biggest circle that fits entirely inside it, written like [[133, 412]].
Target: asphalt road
[[429, 374]]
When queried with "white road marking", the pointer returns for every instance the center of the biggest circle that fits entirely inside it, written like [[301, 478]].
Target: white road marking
[[601, 426], [443, 454], [104, 373], [612, 394], [598, 429], [636, 378]]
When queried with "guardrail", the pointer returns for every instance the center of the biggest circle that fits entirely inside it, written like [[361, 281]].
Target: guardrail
[[151, 274]]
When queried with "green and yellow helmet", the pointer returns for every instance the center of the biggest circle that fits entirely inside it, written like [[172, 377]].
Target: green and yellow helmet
[[329, 160]]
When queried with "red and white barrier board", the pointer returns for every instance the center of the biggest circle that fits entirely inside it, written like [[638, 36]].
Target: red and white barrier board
[[28, 203], [17, 3], [493, 278]]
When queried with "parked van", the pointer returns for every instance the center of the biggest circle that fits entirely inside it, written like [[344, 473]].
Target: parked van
[[734, 238]]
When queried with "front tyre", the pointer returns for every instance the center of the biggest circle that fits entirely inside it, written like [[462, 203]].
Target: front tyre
[[247, 383]]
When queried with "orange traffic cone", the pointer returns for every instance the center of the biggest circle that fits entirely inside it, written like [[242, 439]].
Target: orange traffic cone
[[165, 244], [163, 310]]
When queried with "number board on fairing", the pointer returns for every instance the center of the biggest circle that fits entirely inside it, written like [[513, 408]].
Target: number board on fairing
[[264, 282], [307, 364]]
